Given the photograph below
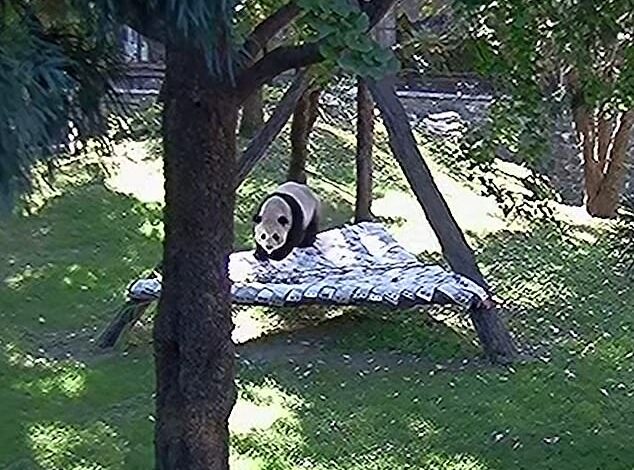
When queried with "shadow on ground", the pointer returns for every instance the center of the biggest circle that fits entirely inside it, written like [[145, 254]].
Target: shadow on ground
[[368, 389], [351, 406]]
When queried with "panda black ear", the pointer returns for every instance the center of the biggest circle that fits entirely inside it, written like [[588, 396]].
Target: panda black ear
[[282, 220], [257, 218]]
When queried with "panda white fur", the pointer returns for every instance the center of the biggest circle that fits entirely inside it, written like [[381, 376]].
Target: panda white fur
[[288, 218]]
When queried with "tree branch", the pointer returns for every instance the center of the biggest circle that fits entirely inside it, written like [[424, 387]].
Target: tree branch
[[618, 152], [583, 125], [615, 172], [604, 134], [285, 58], [267, 29], [272, 64], [143, 18]]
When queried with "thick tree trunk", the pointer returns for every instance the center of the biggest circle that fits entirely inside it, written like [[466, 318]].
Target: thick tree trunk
[[365, 140], [604, 142], [494, 336], [605, 203], [194, 353], [303, 120], [252, 114]]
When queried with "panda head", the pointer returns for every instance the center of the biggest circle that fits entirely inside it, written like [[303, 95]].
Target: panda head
[[272, 224]]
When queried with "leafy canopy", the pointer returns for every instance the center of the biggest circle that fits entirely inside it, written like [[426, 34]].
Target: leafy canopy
[[56, 61], [544, 46], [342, 30], [59, 57], [545, 57]]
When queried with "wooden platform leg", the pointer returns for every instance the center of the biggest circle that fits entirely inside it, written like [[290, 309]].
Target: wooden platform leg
[[125, 318], [493, 334], [495, 338]]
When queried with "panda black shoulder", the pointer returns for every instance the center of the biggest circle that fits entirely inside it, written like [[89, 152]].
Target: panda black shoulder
[[296, 232]]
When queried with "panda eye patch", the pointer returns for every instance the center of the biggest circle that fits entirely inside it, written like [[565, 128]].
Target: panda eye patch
[[263, 237], [276, 237]]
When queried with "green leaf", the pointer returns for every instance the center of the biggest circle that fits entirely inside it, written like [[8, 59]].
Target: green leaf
[[382, 55], [348, 62], [325, 29], [350, 38], [328, 52], [362, 22], [363, 44], [340, 7], [368, 59], [307, 5]]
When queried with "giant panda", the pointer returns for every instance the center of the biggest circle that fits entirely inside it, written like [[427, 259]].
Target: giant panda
[[286, 219]]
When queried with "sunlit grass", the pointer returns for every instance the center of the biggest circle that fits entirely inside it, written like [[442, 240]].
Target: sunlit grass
[[260, 407], [28, 274], [59, 446], [367, 389], [15, 356], [66, 379]]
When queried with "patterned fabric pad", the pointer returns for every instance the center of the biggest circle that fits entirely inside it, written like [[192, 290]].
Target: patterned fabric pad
[[352, 265]]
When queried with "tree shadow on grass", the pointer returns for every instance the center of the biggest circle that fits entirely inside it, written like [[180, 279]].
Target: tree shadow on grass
[[567, 412], [61, 271], [67, 414], [353, 329], [410, 416], [334, 158], [562, 286], [62, 267], [359, 398]]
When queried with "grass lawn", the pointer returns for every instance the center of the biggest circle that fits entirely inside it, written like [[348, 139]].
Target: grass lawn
[[368, 389]]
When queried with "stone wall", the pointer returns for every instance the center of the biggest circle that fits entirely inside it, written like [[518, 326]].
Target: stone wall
[[439, 111]]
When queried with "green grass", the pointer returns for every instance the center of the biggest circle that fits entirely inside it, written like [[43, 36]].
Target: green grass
[[370, 389], [567, 411]]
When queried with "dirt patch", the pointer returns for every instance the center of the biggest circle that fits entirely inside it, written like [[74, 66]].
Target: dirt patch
[[301, 345], [318, 345]]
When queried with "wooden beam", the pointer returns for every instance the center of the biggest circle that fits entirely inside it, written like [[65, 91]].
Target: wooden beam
[[454, 245], [365, 142], [493, 334], [263, 139], [125, 319]]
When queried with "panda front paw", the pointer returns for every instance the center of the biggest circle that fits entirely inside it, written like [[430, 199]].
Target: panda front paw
[[259, 254]]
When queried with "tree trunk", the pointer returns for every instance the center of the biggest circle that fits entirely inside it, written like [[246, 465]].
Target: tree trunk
[[365, 137], [252, 114], [194, 353], [303, 120], [495, 338], [604, 142]]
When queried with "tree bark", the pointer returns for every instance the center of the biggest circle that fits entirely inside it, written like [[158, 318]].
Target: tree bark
[[252, 114], [268, 28], [194, 353], [284, 58], [495, 338], [604, 143], [365, 140], [303, 120]]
